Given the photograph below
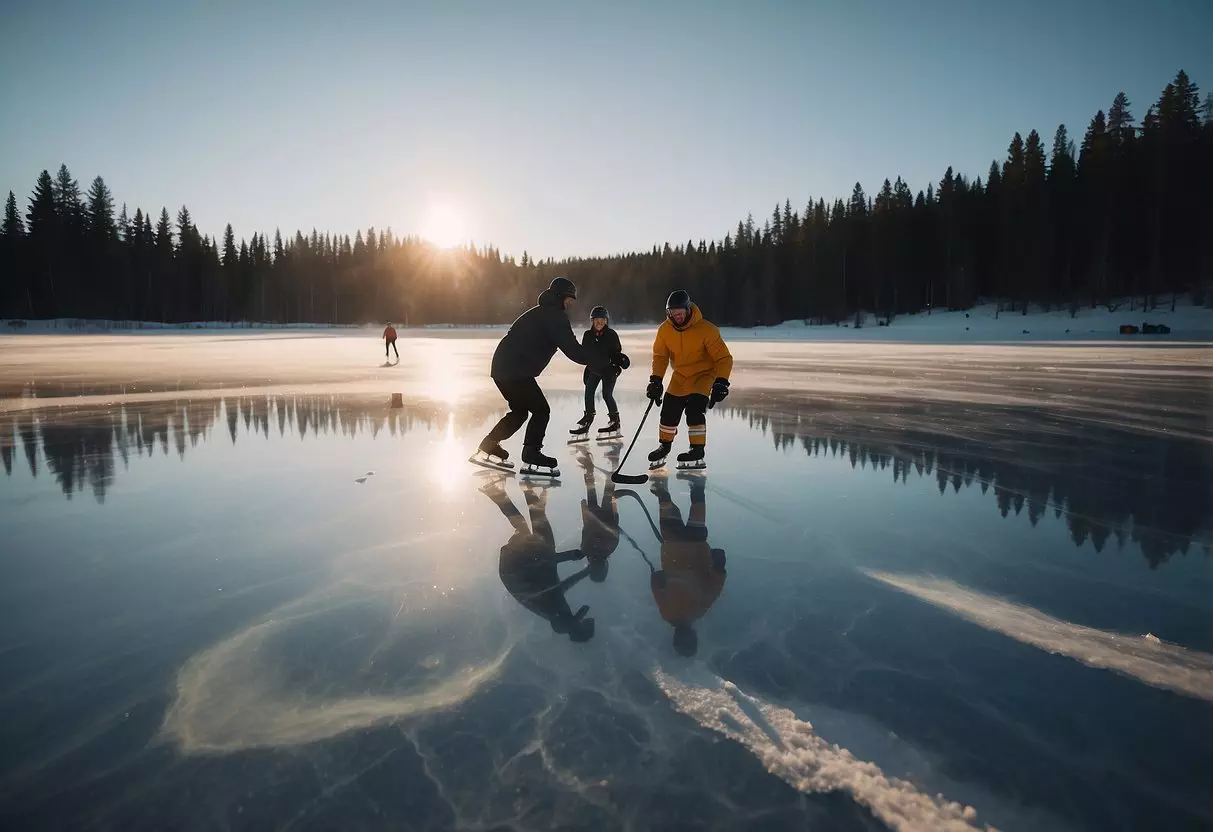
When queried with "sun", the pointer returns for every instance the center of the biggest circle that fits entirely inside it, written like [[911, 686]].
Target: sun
[[444, 225]]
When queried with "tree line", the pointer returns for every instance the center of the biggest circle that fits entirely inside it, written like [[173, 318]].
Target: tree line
[[1164, 521], [1127, 213]]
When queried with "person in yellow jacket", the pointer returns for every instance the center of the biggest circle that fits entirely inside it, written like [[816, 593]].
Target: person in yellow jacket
[[702, 364], [692, 573]]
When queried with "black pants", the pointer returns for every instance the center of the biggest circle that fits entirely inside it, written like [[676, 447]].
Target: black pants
[[524, 397], [390, 342], [696, 407], [608, 393]]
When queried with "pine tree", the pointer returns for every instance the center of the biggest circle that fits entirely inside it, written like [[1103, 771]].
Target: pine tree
[[1120, 120], [100, 212], [229, 249], [45, 236], [14, 291], [13, 226]]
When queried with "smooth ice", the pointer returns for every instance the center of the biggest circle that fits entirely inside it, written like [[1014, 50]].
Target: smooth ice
[[939, 587]]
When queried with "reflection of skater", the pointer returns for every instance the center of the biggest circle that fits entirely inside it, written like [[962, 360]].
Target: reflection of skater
[[599, 523], [603, 342], [702, 365], [528, 562], [389, 340], [692, 574], [520, 357]]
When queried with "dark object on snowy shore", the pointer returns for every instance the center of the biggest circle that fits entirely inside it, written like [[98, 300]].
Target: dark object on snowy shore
[[1155, 329], [1128, 329]]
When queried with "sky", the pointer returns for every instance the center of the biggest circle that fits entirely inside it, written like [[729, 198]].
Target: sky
[[572, 128]]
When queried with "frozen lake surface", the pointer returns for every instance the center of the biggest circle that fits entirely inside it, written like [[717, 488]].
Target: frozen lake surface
[[932, 587]]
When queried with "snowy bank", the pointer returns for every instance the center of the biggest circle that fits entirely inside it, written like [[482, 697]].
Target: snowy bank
[[69, 325], [980, 325]]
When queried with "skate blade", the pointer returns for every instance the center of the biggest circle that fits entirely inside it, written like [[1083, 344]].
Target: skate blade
[[657, 466], [610, 437], [485, 461], [577, 440], [540, 474], [698, 465]]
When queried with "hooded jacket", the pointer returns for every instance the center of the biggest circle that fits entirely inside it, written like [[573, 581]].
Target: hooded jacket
[[533, 339], [697, 352]]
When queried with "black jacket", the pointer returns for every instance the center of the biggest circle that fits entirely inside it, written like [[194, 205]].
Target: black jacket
[[533, 339], [601, 345]]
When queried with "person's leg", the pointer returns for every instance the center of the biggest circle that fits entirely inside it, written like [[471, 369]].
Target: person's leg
[[498, 495], [697, 519], [395, 350], [537, 503], [608, 397], [591, 387], [669, 517], [671, 415], [697, 419], [515, 396], [540, 412]]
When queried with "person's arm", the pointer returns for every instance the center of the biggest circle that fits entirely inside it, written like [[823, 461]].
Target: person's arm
[[718, 351], [661, 355], [561, 331]]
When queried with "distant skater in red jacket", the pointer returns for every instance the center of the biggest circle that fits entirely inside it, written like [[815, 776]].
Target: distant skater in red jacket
[[389, 341]]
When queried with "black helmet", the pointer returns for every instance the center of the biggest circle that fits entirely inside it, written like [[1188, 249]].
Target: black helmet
[[599, 312], [679, 299], [563, 288]]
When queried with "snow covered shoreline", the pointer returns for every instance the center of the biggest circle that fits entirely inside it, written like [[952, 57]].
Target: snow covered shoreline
[[977, 325]]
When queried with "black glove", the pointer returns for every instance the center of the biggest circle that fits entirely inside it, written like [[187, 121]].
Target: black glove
[[720, 390], [654, 389], [621, 361]]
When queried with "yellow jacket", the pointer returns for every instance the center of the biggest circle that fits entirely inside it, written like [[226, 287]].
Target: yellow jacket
[[697, 351], [692, 584]]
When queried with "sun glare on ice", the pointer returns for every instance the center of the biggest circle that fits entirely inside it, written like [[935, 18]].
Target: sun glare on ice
[[447, 463]]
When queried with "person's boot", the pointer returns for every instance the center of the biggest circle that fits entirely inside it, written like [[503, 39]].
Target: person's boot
[[657, 456], [538, 463], [581, 431]]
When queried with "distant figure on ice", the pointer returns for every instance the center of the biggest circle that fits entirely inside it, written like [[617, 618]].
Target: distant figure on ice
[[692, 573], [527, 566], [702, 364], [520, 357], [603, 342], [389, 340]]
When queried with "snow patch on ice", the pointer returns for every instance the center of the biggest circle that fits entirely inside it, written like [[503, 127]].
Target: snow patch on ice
[[1147, 659], [789, 748]]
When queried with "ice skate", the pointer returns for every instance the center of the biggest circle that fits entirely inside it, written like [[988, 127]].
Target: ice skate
[[490, 454], [581, 432], [536, 464], [692, 460], [658, 455], [610, 432]]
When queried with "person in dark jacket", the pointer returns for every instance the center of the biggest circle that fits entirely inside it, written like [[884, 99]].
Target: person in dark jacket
[[521, 356], [528, 565], [603, 342]]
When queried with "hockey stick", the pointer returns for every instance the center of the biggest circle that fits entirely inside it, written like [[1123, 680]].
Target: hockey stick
[[632, 479], [629, 493]]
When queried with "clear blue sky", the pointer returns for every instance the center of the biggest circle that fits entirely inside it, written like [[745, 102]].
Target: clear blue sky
[[564, 128]]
